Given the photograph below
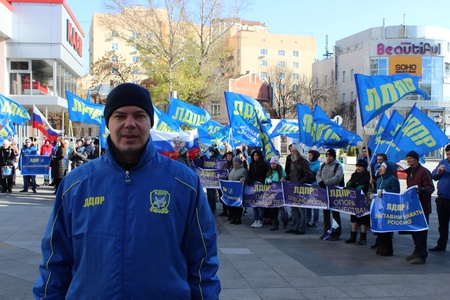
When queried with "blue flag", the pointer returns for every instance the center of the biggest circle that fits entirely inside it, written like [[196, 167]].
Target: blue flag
[[379, 129], [82, 111], [305, 124], [11, 111], [329, 134], [419, 133], [212, 132], [285, 128], [397, 212], [394, 124], [377, 93], [249, 122], [232, 192], [188, 114], [164, 123]]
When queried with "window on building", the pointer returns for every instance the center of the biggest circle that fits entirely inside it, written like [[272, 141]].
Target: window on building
[[379, 66], [114, 58], [263, 63], [135, 35], [343, 76], [238, 52], [281, 53], [295, 76], [295, 87], [325, 80], [447, 70], [295, 53], [215, 108], [32, 77], [264, 52], [133, 48], [352, 74], [114, 46], [352, 95], [135, 71], [343, 97], [114, 33], [135, 59], [281, 87], [264, 75], [295, 65], [281, 64], [281, 75]]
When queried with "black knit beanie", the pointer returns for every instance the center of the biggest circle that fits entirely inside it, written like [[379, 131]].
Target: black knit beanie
[[128, 94], [413, 154], [331, 152]]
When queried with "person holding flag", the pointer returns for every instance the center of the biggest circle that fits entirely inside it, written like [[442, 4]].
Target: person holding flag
[[420, 176]]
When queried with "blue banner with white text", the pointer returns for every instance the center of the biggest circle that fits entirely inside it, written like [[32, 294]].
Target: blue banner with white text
[[232, 192], [263, 195], [35, 165]]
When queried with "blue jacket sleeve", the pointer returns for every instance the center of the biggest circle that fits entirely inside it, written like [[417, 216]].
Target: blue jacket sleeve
[[57, 258], [200, 249]]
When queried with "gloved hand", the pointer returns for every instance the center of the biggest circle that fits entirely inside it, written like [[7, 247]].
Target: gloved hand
[[322, 184], [349, 184], [359, 188], [269, 181], [372, 196]]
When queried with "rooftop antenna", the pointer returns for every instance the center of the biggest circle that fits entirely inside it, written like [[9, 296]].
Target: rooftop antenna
[[327, 53]]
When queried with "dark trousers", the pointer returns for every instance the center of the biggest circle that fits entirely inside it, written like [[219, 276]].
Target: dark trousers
[[420, 241], [27, 180], [211, 194], [327, 222], [443, 212], [7, 183]]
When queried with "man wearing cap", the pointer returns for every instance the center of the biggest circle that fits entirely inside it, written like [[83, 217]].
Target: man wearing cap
[[28, 149], [330, 173], [89, 149], [442, 173], [131, 224], [420, 176]]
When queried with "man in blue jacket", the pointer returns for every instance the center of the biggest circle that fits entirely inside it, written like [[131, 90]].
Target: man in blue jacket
[[131, 224], [442, 174]]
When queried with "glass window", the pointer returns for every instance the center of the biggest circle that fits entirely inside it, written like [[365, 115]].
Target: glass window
[[133, 48], [215, 109], [114, 46], [135, 59], [343, 76], [281, 64], [295, 64], [447, 70], [263, 63], [281, 75], [295, 53], [36, 81], [281, 53], [135, 35], [264, 75], [295, 76], [352, 74], [379, 66], [114, 58], [263, 52]]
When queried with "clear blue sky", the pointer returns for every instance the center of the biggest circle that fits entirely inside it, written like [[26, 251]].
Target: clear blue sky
[[337, 19]]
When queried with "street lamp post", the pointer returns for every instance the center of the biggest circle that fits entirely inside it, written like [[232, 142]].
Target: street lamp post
[[438, 120], [172, 66]]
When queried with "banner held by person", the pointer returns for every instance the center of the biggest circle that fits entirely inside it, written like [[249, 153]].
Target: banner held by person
[[259, 194], [232, 192]]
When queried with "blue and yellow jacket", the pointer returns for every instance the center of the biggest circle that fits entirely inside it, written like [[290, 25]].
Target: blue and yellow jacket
[[146, 233]]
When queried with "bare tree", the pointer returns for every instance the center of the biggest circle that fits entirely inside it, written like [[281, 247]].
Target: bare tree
[[111, 68], [181, 42]]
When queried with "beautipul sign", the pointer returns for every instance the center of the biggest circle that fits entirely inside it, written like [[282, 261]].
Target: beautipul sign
[[408, 48]]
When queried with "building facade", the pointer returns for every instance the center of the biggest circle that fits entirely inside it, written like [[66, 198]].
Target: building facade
[[389, 50], [41, 56]]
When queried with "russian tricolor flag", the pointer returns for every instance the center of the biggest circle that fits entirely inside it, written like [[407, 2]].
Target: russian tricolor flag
[[41, 123], [170, 143]]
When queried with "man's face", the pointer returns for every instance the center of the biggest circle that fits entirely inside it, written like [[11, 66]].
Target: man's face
[[329, 158], [28, 143], [411, 161], [129, 128], [447, 154], [379, 159], [364, 153]]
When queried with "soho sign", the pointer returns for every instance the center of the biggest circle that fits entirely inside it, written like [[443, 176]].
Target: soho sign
[[74, 38], [409, 48]]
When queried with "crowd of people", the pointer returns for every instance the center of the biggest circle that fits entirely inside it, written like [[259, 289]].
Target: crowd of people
[[64, 157], [304, 168]]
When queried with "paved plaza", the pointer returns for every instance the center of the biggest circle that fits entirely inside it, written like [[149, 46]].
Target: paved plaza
[[255, 263]]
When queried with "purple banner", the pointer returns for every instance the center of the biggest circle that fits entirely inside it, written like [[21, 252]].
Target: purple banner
[[209, 178], [263, 195], [304, 195], [209, 163], [348, 200]]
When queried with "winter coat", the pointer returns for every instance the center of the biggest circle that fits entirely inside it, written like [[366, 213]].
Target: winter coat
[[443, 186], [237, 174], [275, 175], [7, 157], [420, 176], [78, 157], [257, 169], [360, 179], [315, 166], [388, 182], [46, 150], [142, 233], [57, 163], [327, 174], [300, 171]]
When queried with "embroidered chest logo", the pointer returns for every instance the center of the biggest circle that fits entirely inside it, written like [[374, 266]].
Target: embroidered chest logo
[[159, 201], [93, 201]]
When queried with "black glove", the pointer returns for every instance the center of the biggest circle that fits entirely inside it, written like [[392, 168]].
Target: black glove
[[322, 184]]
